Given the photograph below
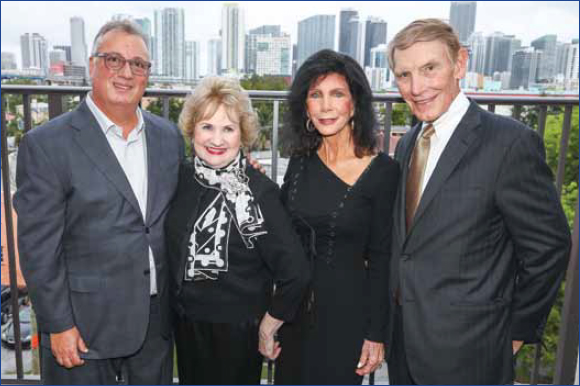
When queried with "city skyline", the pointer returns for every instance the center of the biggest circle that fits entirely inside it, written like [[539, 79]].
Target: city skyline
[[527, 21]]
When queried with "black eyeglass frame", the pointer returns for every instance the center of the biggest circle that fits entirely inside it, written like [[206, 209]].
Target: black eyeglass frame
[[123, 61]]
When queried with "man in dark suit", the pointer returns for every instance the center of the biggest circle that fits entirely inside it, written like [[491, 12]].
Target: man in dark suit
[[94, 186], [480, 241]]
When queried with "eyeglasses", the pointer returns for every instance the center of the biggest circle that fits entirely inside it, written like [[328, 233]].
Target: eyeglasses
[[116, 62]]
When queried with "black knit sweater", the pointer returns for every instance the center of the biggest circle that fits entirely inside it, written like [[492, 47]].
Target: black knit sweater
[[245, 291]]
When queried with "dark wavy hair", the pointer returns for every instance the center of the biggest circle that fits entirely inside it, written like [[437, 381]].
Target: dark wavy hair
[[298, 140]]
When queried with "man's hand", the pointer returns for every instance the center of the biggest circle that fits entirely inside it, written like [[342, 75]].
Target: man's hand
[[66, 346], [371, 357], [517, 345], [267, 346]]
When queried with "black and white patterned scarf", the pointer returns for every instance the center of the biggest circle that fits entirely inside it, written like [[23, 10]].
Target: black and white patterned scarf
[[208, 243]]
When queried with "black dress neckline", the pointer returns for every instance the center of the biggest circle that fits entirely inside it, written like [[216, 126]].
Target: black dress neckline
[[360, 177]]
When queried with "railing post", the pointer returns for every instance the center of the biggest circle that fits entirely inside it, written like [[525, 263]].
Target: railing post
[[566, 364], [274, 172], [27, 115], [165, 106], [517, 112], [542, 120], [54, 105], [537, 363], [270, 379], [563, 148], [387, 127], [491, 108], [10, 244]]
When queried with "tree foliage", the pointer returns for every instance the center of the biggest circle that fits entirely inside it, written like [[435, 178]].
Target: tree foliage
[[265, 109], [552, 137]]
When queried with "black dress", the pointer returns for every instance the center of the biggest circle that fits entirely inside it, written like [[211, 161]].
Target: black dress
[[352, 226]]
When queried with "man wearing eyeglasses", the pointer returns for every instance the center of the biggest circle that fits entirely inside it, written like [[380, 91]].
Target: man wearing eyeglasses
[[93, 189]]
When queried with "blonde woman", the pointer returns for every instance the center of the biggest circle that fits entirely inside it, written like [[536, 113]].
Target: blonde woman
[[229, 240]]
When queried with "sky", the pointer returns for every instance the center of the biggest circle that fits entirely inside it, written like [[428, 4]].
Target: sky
[[527, 20]]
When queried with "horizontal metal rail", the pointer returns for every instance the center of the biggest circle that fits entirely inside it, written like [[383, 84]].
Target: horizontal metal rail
[[565, 365]]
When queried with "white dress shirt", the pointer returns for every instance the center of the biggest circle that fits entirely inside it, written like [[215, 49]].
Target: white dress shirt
[[132, 156], [444, 127]]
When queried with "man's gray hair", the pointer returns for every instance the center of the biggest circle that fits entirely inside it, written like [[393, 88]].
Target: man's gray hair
[[127, 26]]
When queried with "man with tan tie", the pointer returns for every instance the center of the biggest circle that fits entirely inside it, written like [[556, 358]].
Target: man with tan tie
[[480, 241]]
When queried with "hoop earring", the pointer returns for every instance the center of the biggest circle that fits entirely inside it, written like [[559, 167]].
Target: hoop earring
[[310, 126], [352, 125]]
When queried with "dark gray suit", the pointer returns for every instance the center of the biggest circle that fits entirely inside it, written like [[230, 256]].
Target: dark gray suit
[[482, 263], [82, 240]]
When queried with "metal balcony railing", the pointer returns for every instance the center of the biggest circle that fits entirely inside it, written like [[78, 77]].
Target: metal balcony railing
[[566, 356]]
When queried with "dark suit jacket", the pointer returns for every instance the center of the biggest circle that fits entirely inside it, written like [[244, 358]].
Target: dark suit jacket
[[483, 260], [82, 240]]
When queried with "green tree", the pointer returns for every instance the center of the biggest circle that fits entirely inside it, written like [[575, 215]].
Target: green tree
[[552, 136], [401, 114], [175, 106], [265, 109]]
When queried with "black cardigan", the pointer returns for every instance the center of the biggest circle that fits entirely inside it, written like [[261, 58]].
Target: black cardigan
[[245, 290]]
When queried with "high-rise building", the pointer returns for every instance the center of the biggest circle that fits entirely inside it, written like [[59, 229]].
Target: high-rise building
[[214, 56], [145, 25], [476, 46], [34, 49], [375, 34], [67, 51], [169, 58], [499, 50], [273, 55], [524, 68], [378, 70], [157, 43], [192, 59], [314, 34], [233, 34], [79, 52], [547, 66], [462, 18], [380, 56], [350, 35], [274, 30], [57, 57], [355, 43], [344, 29], [294, 59], [261, 33], [571, 72], [8, 61]]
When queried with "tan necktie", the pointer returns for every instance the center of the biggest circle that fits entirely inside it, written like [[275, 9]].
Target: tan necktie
[[416, 173]]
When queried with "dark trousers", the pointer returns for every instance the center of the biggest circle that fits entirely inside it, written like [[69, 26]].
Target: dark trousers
[[151, 364], [399, 373], [218, 353]]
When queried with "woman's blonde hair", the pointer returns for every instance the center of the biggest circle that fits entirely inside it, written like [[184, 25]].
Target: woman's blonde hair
[[208, 96], [425, 30]]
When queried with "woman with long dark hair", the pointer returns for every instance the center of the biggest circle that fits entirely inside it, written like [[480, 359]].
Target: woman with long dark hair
[[340, 191]]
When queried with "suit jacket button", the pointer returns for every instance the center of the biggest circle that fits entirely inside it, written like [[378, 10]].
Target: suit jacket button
[[405, 257], [147, 230], [146, 272]]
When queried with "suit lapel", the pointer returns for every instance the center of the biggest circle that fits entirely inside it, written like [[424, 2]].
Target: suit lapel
[[92, 140], [154, 159], [454, 151]]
